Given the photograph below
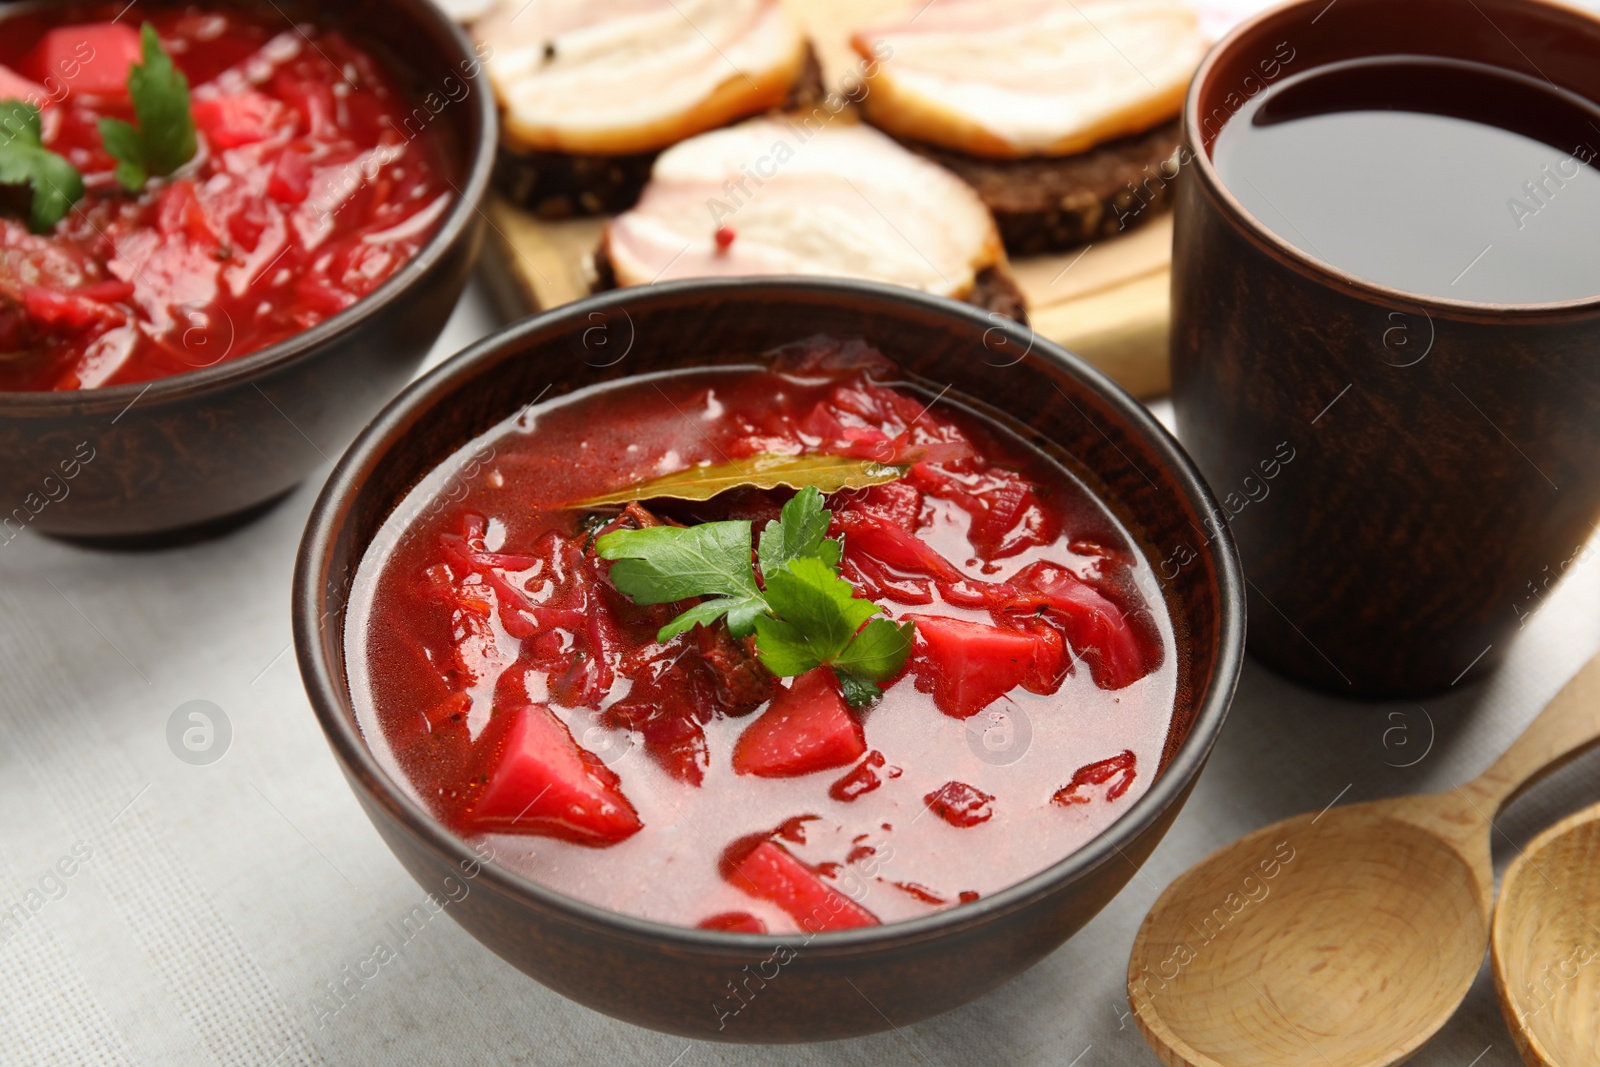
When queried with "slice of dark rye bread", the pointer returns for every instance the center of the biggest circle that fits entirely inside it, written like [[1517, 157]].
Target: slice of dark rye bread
[[993, 289], [555, 185], [1051, 204]]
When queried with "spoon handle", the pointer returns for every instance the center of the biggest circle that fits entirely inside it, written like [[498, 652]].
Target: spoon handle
[[1568, 725]]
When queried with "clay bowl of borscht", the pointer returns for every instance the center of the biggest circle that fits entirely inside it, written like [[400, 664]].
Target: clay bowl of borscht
[[768, 660], [232, 231]]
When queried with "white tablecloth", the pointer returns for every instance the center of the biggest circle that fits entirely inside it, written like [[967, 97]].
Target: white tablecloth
[[219, 902]]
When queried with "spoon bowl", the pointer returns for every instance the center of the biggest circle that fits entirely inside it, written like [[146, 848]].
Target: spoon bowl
[[1547, 945], [1313, 932], [1345, 938]]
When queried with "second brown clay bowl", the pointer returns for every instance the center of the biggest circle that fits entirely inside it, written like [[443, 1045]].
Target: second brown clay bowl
[[173, 458], [836, 984]]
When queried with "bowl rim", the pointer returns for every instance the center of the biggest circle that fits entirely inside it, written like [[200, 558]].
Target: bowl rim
[[334, 706], [1326, 274], [254, 365]]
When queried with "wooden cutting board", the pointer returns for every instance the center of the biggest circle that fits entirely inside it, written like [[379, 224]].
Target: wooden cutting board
[[1107, 301]]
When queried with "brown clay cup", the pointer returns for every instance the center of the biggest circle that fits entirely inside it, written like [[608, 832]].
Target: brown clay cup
[[1404, 475]]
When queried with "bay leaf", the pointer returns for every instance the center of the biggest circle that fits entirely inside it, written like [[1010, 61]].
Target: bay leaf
[[766, 470]]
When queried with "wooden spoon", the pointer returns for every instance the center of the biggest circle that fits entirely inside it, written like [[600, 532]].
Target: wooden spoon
[[1547, 945], [1345, 938]]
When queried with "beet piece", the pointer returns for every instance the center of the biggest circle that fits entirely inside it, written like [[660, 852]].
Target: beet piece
[[739, 922], [794, 828], [237, 119], [111, 48], [893, 546], [807, 728], [1096, 628], [859, 852], [1014, 518], [898, 502], [873, 581], [579, 685], [540, 781], [478, 654], [14, 86], [1051, 664], [863, 779], [665, 715], [960, 804], [516, 611], [773, 874], [1122, 767], [969, 665], [921, 892], [1007, 515]]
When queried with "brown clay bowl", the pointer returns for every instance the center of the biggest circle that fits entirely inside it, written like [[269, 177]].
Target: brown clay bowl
[[838, 984], [174, 458]]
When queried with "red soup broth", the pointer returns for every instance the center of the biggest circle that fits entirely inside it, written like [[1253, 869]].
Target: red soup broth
[[482, 596], [309, 189]]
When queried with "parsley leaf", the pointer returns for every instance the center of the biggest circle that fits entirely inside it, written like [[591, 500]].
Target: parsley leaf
[[124, 145], [857, 693], [798, 533], [663, 564], [782, 647], [815, 604], [807, 616], [819, 616], [165, 139], [876, 655], [878, 651], [24, 160]]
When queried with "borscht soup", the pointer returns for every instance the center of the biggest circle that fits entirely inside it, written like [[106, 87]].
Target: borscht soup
[[184, 185], [794, 645]]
